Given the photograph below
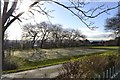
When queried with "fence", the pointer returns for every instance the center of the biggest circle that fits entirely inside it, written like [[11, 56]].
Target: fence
[[112, 73]]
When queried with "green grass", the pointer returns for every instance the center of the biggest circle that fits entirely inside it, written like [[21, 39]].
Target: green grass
[[105, 47]]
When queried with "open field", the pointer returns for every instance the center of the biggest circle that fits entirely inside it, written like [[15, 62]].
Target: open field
[[26, 60], [43, 54], [54, 53]]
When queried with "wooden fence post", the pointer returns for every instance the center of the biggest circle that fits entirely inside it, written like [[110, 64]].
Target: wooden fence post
[[103, 75]]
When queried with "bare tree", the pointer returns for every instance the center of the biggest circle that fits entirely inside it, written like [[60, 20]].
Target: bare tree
[[6, 40], [39, 32], [45, 30], [52, 33], [31, 32], [75, 8], [113, 24], [8, 16], [71, 36], [55, 34], [6, 35]]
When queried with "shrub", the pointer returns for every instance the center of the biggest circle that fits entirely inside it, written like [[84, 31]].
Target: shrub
[[37, 55], [75, 70], [96, 64], [87, 67], [10, 64]]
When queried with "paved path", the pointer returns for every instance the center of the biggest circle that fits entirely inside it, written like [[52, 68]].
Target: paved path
[[46, 72]]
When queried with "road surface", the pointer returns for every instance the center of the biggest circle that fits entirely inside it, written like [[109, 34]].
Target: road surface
[[46, 72]]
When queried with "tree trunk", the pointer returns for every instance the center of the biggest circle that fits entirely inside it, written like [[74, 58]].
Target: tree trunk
[[33, 41], [1, 50], [3, 55], [42, 41], [41, 45], [118, 42]]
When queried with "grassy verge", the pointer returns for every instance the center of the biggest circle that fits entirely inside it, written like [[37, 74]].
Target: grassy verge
[[105, 47], [29, 65]]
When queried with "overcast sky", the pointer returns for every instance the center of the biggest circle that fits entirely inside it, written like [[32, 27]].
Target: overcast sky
[[64, 17]]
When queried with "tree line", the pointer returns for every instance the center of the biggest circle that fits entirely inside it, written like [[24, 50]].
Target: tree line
[[47, 35]]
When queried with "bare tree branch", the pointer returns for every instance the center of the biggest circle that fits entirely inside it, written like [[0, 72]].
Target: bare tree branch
[[17, 18], [9, 23], [10, 11], [4, 11], [81, 17]]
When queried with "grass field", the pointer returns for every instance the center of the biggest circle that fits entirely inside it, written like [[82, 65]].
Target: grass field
[[55, 53], [55, 56]]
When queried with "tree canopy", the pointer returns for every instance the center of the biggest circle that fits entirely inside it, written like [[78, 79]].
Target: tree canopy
[[113, 24]]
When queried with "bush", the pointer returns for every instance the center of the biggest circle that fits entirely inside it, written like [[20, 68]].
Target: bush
[[10, 64], [37, 55], [87, 67], [96, 64], [75, 70]]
